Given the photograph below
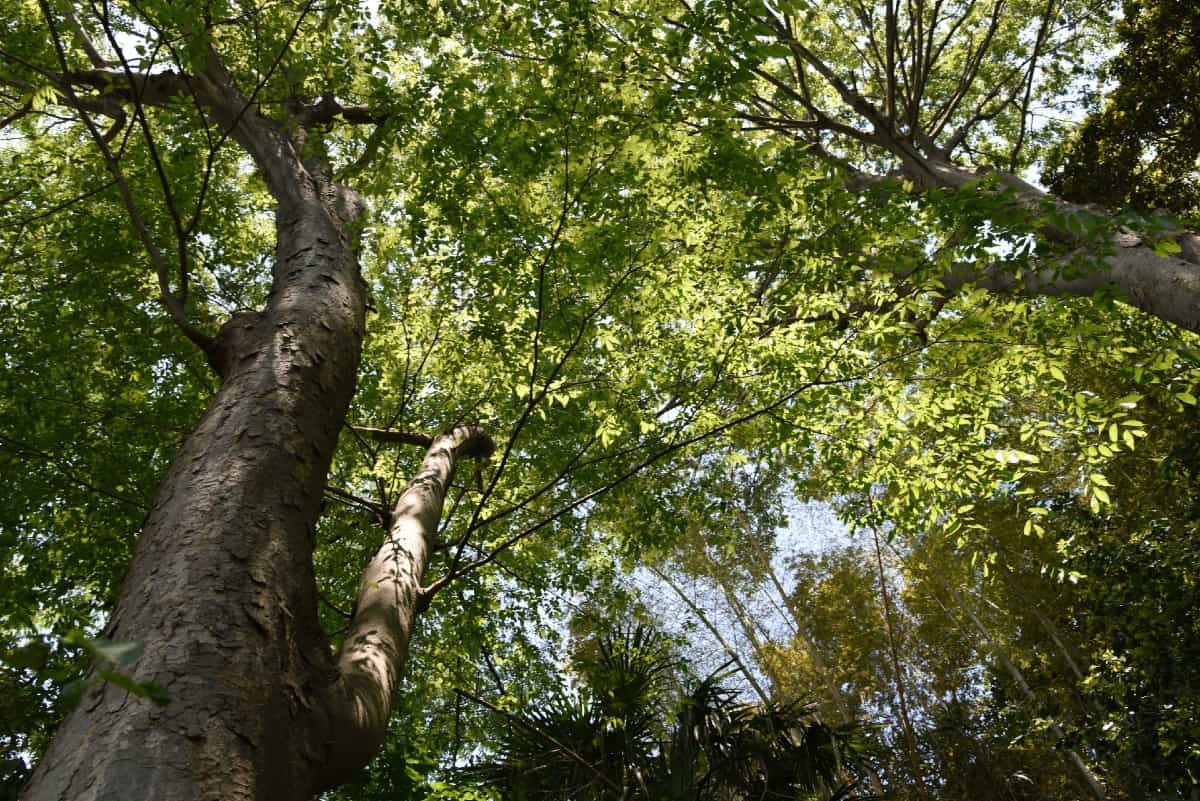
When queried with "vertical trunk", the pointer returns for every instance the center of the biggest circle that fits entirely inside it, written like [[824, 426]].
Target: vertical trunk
[[221, 588], [1089, 779], [800, 629], [898, 673]]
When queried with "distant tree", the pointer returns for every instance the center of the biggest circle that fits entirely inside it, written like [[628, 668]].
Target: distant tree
[[1141, 149]]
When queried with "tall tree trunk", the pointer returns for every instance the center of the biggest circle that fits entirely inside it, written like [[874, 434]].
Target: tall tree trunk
[[729, 650], [221, 588]]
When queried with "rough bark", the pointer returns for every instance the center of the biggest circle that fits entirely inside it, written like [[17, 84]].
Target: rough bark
[[221, 589]]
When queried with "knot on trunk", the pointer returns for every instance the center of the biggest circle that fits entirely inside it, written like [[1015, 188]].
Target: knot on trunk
[[471, 440], [233, 342], [346, 207]]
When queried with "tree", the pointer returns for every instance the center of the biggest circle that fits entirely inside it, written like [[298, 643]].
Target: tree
[[243, 510], [1141, 149], [187, 107], [554, 248], [942, 99]]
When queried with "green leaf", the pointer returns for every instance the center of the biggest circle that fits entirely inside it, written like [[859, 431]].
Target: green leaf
[[1167, 247]]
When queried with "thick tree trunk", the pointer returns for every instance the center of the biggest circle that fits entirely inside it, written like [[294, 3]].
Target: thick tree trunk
[[221, 589]]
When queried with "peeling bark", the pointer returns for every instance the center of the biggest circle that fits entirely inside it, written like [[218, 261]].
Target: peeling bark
[[221, 588]]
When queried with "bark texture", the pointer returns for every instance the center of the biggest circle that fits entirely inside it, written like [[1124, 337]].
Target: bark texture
[[1165, 286], [354, 712], [221, 590], [221, 587]]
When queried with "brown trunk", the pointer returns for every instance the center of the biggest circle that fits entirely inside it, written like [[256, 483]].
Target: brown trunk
[[221, 589]]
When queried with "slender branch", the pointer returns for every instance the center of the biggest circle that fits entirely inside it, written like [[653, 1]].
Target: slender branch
[[85, 41], [174, 307], [341, 612], [890, 42], [716, 633], [1089, 778], [55, 209], [392, 436], [970, 71], [61, 465], [1043, 29], [353, 500], [541, 395], [659, 455], [139, 115]]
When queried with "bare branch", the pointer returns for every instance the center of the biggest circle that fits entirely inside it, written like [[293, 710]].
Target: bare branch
[[393, 436], [1043, 29], [64, 468], [173, 304], [653, 458], [84, 40], [970, 71]]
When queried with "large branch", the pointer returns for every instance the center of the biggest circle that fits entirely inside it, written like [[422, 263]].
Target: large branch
[[328, 108], [358, 706], [394, 436], [1165, 286]]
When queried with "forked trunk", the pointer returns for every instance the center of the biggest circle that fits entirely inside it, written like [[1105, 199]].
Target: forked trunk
[[221, 589]]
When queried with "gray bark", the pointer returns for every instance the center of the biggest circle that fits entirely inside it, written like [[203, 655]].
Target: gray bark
[[221, 589], [354, 711], [1167, 287]]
